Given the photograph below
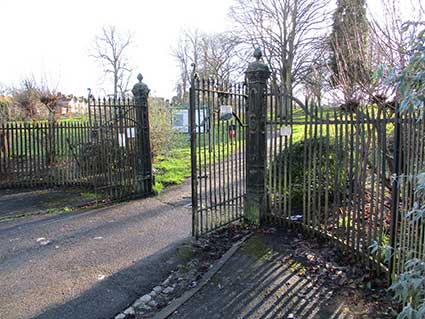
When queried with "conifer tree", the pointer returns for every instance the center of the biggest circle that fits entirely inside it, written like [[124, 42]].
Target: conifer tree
[[348, 43]]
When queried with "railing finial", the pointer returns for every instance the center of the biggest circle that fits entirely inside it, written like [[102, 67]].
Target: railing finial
[[258, 54]]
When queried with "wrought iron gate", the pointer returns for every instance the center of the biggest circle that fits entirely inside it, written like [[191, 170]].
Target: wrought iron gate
[[217, 117], [280, 127], [117, 150], [346, 173]]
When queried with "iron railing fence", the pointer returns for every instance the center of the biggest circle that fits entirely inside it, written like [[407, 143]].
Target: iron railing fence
[[346, 175], [106, 153], [408, 229]]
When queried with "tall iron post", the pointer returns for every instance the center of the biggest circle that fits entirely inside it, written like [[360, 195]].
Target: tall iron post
[[144, 161], [395, 190], [257, 76]]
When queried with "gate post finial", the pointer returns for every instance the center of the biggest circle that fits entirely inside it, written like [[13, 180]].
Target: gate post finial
[[140, 90], [144, 163], [255, 202]]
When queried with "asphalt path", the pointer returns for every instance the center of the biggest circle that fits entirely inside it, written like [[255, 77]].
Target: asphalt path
[[91, 264]]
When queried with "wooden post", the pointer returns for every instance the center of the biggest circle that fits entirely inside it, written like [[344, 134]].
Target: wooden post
[[256, 141], [144, 161]]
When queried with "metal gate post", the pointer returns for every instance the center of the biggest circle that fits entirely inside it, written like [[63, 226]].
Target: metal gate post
[[144, 158], [256, 140]]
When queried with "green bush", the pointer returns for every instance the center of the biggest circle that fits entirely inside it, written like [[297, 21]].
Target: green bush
[[162, 136], [325, 168]]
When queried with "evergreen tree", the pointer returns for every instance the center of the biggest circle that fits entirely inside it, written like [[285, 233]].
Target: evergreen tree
[[348, 43]]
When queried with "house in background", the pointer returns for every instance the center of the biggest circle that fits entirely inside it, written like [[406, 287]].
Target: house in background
[[71, 105]]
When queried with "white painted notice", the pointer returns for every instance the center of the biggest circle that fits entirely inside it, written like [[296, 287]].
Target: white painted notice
[[285, 131]]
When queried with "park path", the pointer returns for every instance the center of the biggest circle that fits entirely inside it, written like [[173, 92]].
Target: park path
[[90, 264]]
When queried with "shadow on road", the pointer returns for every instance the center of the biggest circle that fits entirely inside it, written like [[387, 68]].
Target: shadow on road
[[90, 264], [112, 295]]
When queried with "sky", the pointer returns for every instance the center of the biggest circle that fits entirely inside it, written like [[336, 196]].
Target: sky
[[51, 39]]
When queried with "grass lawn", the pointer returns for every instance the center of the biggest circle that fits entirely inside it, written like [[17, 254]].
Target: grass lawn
[[172, 169], [175, 167]]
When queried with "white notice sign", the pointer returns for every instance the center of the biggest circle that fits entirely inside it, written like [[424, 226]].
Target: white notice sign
[[285, 131], [122, 139], [131, 132]]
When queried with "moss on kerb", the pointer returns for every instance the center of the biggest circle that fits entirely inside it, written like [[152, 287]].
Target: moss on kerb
[[297, 267], [257, 248], [185, 253], [252, 212]]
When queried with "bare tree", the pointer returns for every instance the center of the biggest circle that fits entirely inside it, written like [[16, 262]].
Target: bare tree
[[110, 51], [389, 32], [349, 69], [316, 78], [214, 54], [286, 30], [220, 57], [390, 40], [49, 98], [349, 51], [26, 99], [186, 52]]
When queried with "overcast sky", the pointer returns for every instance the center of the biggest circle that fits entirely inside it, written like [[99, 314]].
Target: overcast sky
[[51, 38]]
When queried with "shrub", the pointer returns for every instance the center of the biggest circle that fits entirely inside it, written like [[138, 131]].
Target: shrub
[[301, 174], [162, 135]]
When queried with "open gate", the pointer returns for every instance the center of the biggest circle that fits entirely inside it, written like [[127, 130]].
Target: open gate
[[217, 117], [346, 173]]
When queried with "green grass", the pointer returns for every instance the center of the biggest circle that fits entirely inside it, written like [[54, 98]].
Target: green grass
[[77, 119], [175, 167], [57, 211], [88, 195], [172, 169]]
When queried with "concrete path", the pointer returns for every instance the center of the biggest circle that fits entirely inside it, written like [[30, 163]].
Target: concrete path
[[264, 279], [90, 264]]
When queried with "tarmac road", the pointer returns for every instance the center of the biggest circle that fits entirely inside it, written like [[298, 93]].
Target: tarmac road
[[90, 264]]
